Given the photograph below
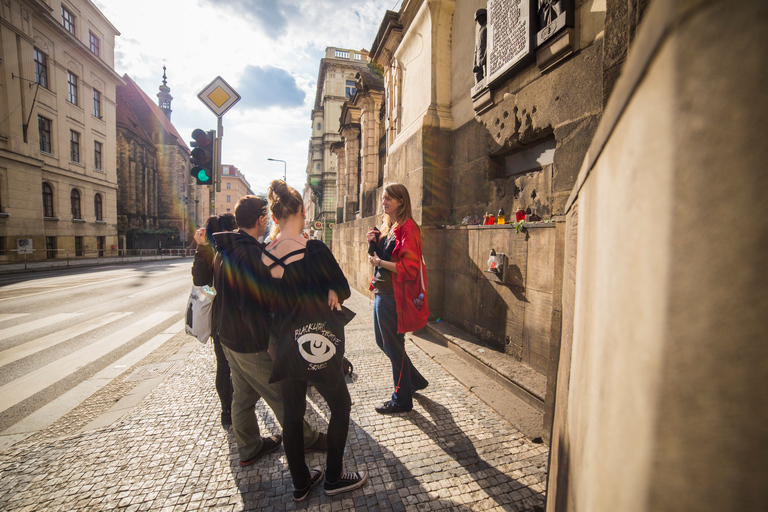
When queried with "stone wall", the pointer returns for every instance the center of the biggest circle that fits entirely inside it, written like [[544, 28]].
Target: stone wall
[[661, 402]]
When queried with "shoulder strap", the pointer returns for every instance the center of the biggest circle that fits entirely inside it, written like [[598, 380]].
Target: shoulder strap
[[281, 261]]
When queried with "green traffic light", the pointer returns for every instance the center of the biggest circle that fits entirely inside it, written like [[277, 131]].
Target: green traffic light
[[202, 175]]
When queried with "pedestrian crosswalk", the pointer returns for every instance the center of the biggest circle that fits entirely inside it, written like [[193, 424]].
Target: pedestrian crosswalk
[[28, 385]]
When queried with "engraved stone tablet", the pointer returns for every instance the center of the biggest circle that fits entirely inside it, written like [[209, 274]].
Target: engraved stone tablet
[[553, 16], [509, 35]]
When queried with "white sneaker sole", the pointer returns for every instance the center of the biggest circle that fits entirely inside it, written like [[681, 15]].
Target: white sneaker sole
[[348, 488]]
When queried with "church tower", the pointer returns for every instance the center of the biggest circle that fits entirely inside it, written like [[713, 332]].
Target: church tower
[[164, 97]]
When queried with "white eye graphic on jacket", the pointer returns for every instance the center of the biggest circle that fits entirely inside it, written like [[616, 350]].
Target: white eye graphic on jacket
[[316, 348]]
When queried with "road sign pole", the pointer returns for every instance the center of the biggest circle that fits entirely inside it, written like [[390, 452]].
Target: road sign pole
[[217, 162]]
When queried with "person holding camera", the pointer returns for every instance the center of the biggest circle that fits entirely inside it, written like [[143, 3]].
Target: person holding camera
[[204, 273], [399, 285]]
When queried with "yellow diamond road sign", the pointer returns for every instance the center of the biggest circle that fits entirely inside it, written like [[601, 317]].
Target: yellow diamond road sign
[[219, 96]]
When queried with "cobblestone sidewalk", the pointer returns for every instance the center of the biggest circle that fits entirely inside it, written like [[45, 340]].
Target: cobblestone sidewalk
[[169, 453]]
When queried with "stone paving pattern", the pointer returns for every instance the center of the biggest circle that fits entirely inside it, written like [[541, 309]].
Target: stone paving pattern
[[452, 452]]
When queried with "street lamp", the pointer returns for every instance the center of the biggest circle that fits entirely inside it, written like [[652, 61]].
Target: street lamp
[[285, 168]]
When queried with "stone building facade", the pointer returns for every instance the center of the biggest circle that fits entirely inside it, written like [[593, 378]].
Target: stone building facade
[[58, 180], [472, 128], [335, 85], [233, 187], [159, 205]]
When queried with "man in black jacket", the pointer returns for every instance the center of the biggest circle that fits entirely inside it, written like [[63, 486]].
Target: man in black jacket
[[244, 327]]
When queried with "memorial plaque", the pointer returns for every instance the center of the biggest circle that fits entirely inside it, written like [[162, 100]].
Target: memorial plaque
[[509, 35], [553, 16]]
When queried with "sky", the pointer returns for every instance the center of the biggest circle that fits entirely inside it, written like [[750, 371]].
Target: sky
[[269, 51]]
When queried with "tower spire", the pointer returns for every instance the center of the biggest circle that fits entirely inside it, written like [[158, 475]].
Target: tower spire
[[164, 97]]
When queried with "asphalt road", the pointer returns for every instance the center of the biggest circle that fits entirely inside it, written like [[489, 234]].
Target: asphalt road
[[65, 333]]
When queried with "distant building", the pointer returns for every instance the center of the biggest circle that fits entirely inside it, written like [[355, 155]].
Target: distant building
[[58, 182], [233, 187], [159, 206], [335, 85]]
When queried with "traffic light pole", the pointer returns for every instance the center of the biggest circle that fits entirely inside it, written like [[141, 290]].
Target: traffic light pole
[[217, 160]]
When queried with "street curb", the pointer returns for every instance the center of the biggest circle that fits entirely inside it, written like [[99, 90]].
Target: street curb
[[41, 266]]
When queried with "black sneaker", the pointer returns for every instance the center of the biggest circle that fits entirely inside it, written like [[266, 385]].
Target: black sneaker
[[320, 445], [270, 444], [389, 408], [315, 475], [347, 482], [226, 419]]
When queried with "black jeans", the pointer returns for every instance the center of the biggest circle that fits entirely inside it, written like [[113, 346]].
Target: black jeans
[[223, 377], [295, 403]]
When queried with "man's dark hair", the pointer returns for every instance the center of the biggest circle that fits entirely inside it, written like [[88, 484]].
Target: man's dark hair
[[248, 210], [227, 222]]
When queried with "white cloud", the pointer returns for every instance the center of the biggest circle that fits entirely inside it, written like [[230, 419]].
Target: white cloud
[[242, 40]]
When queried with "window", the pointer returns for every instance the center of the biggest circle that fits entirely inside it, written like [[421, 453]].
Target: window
[[97, 154], [97, 207], [229, 186], [97, 103], [47, 200], [72, 83], [74, 197], [358, 56], [50, 246], [350, 88], [229, 199], [78, 246], [41, 68], [74, 146], [44, 127], [95, 43], [342, 54], [319, 126], [318, 167], [68, 20]]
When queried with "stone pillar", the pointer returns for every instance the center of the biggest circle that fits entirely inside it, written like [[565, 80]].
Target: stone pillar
[[337, 148], [370, 127], [351, 135]]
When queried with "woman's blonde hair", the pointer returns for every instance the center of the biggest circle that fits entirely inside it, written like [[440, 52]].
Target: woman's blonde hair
[[398, 192], [284, 201]]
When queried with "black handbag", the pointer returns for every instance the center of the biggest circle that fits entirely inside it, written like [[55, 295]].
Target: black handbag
[[310, 343]]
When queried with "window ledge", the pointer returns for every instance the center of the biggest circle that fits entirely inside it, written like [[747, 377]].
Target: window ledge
[[4, 215], [101, 222], [51, 218], [79, 220], [79, 164], [99, 170]]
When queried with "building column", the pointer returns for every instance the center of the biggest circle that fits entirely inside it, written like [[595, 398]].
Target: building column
[[351, 136], [369, 150]]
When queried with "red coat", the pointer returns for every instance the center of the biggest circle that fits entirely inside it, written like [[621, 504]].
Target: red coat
[[407, 256]]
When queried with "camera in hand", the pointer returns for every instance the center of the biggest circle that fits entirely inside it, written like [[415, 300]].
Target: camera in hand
[[375, 242]]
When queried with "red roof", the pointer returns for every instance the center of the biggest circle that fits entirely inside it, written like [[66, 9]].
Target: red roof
[[139, 114]]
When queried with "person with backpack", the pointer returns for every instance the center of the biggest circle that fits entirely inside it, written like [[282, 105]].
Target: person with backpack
[[291, 279]]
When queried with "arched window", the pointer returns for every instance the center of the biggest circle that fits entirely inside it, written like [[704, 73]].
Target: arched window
[[97, 206], [47, 200], [75, 197]]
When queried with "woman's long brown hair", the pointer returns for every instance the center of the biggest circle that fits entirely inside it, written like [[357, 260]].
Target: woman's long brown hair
[[398, 192]]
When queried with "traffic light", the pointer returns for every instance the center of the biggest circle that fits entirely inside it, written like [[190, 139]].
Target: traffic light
[[202, 156]]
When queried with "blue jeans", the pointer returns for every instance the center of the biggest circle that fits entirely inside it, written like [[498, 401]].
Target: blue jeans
[[407, 379]]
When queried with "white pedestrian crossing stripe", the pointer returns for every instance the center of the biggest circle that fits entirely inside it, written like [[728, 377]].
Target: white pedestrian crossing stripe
[[24, 387], [32, 347], [11, 316], [37, 324], [54, 410]]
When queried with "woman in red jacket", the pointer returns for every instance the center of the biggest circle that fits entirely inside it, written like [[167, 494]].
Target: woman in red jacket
[[399, 283]]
